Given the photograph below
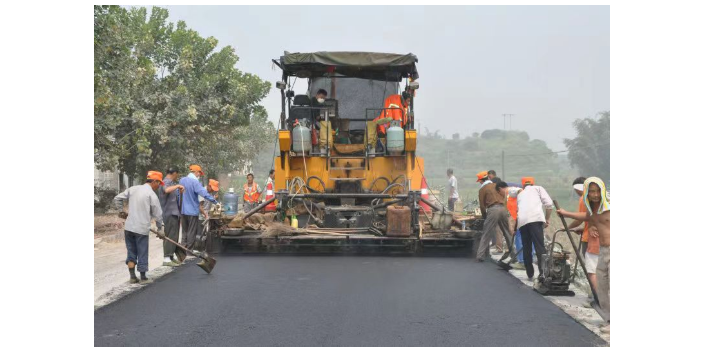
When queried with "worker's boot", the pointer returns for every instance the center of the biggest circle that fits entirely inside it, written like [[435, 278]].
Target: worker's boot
[[143, 279], [133, 277], [168, 262], [175, 260]]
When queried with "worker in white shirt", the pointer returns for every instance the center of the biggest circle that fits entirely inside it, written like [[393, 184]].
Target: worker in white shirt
[[531, 201]]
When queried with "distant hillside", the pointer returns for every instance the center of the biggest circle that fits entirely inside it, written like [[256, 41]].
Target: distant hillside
[[471, 154]]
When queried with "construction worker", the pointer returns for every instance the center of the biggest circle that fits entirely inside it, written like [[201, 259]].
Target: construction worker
[[251, 193], [531, 201], [589, 245], [578, 187], [395, 108], [483, 178], [512, 206], [320, 97], [269, 188], [493, 207], [143, 206], [169, 197], [453, 194], [598, 203], [317, 102], [190, 205], [491, 174], [496, 241], [270, 179], [213, 187]]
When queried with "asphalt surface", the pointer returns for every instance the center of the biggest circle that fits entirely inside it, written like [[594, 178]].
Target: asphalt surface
[[338, 301]]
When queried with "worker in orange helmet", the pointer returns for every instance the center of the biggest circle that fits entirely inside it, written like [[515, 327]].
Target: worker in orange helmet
[[395, 107]]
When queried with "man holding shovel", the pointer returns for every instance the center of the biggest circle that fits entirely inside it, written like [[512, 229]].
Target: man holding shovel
[[143, 206], [169, 198], [191, 206], [493, 207]]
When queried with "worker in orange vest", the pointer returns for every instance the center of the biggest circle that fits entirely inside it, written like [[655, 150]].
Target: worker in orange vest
[[512, 206], [270, 191], [395, 108], [251, 193]]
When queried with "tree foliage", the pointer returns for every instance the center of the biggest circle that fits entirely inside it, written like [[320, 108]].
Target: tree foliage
[[164, 95], [471, 154], [589, 151]]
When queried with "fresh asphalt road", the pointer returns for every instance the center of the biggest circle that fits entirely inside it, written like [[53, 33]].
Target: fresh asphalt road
[[338, 301]]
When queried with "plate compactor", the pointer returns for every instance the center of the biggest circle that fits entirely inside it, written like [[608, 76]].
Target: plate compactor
[[556, 271]]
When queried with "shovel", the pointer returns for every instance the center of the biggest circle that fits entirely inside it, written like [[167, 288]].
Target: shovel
[[207, 263], [580, 259], [511, 252], [180, 254]]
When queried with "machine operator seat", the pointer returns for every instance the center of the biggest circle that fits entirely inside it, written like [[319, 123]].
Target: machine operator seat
[[300, 111]]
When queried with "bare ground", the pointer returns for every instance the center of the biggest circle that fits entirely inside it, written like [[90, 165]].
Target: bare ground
[[107, 225], [110, 275]]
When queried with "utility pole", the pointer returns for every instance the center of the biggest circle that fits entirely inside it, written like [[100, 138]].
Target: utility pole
[[509, 123]]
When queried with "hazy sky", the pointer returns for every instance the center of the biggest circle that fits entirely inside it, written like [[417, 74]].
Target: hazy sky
[[546, 64]]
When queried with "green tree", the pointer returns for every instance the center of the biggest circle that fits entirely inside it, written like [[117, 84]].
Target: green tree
[[163, 95], [589, 151], [494, 134], [247, 144], [482, 151]]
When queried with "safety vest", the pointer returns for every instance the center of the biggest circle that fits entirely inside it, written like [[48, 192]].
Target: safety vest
[[250, 194], [512, 205], [270, 194], [394, 109]]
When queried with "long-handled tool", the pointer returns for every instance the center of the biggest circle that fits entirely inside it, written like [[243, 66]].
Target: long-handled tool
[[202, 237], [180, 254], [511, 252], [578, 254], [207, 263], [178, 251], [574, 271]]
